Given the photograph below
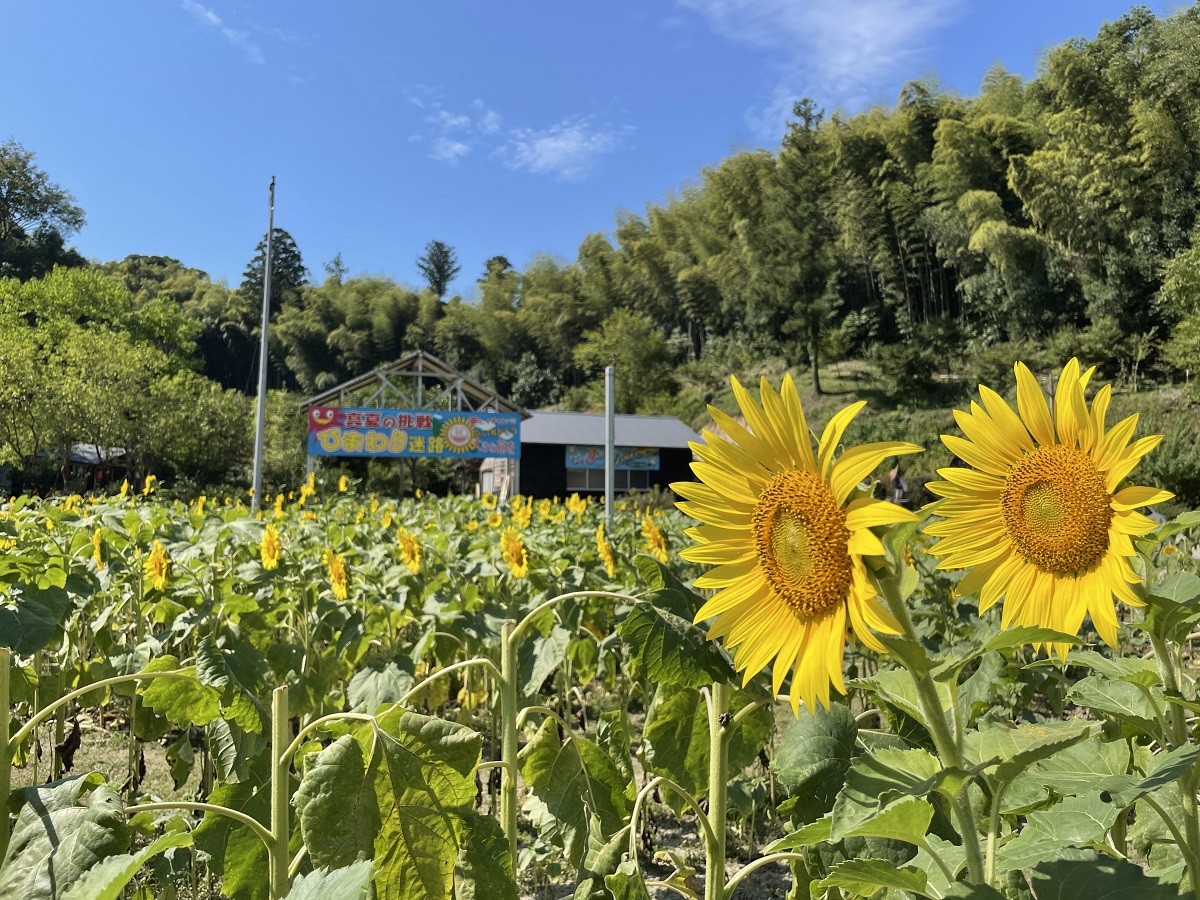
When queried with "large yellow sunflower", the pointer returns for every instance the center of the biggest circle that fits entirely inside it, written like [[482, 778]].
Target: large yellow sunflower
[[787, 532], [1040, 518]]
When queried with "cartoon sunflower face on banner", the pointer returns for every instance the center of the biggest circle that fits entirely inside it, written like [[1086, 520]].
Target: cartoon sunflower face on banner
[[459, 434]]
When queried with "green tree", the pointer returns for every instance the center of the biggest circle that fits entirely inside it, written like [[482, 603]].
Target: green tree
[[288, 274], [36, 216], [439, 266], [629, 341]]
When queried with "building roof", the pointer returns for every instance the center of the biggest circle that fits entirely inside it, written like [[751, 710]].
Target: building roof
[[386, 385], [588, 429]]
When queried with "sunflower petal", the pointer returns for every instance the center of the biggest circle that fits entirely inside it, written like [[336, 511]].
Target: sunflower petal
[[832, 436], [1132, 497], [1032, 404], [856, 464]]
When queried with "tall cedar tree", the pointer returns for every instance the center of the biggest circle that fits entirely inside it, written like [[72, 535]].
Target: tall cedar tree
[[439, 266]]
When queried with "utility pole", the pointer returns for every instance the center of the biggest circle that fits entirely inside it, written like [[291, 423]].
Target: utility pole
[[261, 418], [610, 440]]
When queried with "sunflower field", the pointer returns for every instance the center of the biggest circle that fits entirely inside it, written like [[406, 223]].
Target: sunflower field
[[782, 687]]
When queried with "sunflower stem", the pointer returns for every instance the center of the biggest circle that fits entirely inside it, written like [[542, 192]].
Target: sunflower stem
[[1177, 718], [718, 784], [508, 735], [941, 733]]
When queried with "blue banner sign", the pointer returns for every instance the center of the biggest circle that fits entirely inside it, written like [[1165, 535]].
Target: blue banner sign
[[630, 458], [446, 434]]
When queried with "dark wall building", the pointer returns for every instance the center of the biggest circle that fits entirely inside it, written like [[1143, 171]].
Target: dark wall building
[[562, 453]]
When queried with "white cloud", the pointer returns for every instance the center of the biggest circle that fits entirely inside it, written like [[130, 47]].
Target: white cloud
[[839, 52], [236, 37], [567, 150], [449, 151], [444, 121]]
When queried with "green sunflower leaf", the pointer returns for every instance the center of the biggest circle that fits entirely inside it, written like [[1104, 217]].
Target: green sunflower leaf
[[1122, 702], [670, 650], [350, 883], [1096, 879], [865, 877], [1081, 821], [812, 756]]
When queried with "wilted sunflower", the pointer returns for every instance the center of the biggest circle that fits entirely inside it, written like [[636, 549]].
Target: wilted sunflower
[[516, 557], [1040, 518], [271, 548], [410, 550], [787, 533], [149, 485], [343, 484], [158, 566], [339, 576]]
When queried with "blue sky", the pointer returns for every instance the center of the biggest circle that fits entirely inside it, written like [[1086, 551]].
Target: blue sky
[[512, 128]]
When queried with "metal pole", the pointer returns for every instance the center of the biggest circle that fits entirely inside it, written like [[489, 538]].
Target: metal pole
[[261, 419], [610, 440]]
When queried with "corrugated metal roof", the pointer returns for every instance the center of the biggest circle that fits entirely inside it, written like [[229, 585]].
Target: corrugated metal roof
[[588, 429]]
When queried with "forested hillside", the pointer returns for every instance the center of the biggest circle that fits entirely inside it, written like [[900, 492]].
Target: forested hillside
[[937, 241]]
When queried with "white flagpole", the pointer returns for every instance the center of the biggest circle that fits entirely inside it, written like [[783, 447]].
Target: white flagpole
[[261, 418]]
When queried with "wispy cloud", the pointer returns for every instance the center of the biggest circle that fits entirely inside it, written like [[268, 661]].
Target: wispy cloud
[[566, 150], [235, 36], [839, 52]]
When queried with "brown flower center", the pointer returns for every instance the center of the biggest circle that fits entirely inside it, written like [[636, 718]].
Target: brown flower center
[[1057, 511], [801, 536]]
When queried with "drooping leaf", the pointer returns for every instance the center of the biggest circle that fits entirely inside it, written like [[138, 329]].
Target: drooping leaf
[[895, 688], [805, 836], [666, 590], [906, 819], [601, 859], [676, 739], [484, 868], [668, 649], [1135, 670], [29, 615], [181, 698], [627, 883], [1074, 770], [570, 781], [397, 791], [237, 854], [371, 687], [62, 830], [540, 656], [813, 754]]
